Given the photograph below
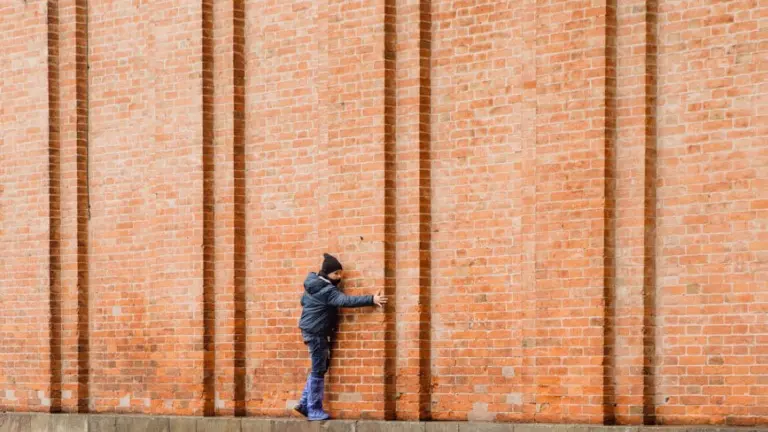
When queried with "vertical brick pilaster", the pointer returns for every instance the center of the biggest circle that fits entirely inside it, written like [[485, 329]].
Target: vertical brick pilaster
[[83, 208], [573, 89], [222, 397], [68, 193], [239, 207], [285, 201], [412, 124], [146, 231], [403, 63], [73, 192], [650, 238], [179, 186], [634, 334], [208, 37], [627, 346], [425, 210], [477, 190], [122, 138], [228, 42], [54, 208], [609, 217], [391, 336], [357, 198]]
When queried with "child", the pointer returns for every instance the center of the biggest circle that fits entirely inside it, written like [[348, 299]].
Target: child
[[318, 322]]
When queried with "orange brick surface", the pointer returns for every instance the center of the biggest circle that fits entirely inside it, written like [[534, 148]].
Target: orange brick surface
[[566, 201]]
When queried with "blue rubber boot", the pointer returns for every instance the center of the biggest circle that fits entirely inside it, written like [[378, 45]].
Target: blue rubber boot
[[315, 399], [301, 407]]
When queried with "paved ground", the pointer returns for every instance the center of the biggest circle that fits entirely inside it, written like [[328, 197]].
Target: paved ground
[[29, 422]]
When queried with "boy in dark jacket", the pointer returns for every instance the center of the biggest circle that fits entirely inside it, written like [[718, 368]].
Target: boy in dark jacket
[[319, 317]]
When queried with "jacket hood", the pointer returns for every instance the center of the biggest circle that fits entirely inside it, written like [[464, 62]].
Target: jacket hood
[[313, 283]]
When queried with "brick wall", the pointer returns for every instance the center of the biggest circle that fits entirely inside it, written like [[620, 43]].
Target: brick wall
[[566, 201], [711, 211], [25, 213]]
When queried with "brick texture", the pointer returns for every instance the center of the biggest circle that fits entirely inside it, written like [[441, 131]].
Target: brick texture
[[711, 213], [146, 185], [282, 212], [567, 203], [24, 212], [477, 87]]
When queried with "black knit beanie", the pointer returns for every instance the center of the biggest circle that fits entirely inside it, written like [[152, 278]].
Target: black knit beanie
[[330, 264]]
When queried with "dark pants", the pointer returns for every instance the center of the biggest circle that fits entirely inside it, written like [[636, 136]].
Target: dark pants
[[319, 351]]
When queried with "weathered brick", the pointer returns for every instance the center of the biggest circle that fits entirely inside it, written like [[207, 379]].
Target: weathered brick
[[24, 214], [565, 202]]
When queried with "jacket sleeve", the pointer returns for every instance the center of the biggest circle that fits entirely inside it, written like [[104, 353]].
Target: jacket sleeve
[[339, 299]]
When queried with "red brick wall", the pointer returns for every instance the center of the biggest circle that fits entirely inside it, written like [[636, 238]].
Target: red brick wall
[[477, 86], [712, 211], [145, 211], [283, 100], [25, 209], [566, 202]]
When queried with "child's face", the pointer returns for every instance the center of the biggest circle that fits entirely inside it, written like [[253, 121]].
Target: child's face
[[335, 275]]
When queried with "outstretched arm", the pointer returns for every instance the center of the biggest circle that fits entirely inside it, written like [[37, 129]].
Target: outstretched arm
[[339, 299]]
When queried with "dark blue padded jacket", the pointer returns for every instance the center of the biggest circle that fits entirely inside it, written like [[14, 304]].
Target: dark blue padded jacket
[[320, 303]]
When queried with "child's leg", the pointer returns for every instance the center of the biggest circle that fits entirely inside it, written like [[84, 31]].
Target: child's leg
[[302, 406], [303, 400], [318, 349]]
